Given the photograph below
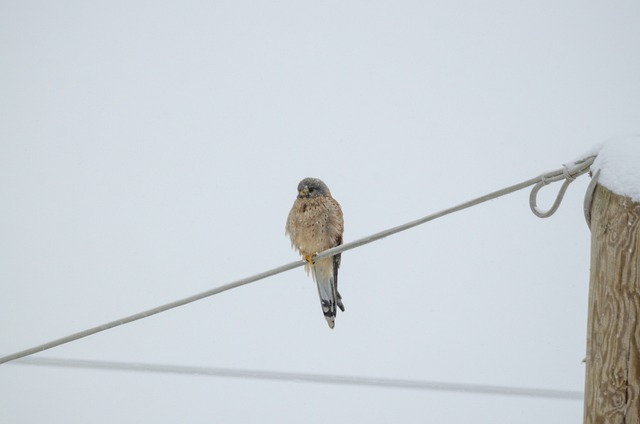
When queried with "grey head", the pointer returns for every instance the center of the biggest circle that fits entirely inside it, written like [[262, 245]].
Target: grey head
[[312, 187]]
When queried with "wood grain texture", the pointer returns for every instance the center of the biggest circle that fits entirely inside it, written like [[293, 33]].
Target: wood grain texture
[[613, 335]]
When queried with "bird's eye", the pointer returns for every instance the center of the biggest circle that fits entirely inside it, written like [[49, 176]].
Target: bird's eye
[[311, 190]]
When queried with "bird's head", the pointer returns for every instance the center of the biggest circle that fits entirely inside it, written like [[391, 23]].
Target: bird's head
[[312, 187]]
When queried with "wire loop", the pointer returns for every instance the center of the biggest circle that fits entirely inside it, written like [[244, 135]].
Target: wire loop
[[556, 204], [569, 173]]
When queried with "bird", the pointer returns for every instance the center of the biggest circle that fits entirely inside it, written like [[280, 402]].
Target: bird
[[315, 224]]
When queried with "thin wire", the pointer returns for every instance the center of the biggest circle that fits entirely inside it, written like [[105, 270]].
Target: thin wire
[[546, 178], [304, 377], [149, 312]]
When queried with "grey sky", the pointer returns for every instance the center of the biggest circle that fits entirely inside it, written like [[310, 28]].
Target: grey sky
[[151, 150]]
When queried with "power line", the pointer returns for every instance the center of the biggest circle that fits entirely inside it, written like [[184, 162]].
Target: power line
[[304, 378], [568, 173]]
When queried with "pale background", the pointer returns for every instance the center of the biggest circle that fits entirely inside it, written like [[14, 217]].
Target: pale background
[[151, 150]]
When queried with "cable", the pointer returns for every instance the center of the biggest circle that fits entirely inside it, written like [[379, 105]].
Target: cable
[[567, 173], [304, 377]]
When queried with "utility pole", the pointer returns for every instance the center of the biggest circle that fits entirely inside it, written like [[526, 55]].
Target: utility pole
[[612, 386]]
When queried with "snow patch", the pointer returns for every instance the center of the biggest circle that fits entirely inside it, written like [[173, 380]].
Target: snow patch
[[619, 165]]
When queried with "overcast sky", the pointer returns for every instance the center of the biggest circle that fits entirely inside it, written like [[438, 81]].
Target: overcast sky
[[151, 150]]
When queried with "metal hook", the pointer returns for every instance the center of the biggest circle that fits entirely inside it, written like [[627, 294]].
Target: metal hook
[[588, 197]]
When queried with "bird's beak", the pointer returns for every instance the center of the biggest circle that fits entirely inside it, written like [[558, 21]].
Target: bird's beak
[[304, 192]]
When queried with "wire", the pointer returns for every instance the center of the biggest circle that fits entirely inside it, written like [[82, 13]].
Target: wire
[[304, 377], [569, 174]]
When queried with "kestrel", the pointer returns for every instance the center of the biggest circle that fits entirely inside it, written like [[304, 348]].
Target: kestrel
[[315, 224]]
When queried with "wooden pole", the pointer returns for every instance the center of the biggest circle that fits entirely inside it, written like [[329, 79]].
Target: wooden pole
[[612, 382]]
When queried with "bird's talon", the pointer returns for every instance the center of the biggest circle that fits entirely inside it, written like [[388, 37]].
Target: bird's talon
[[309, 258]]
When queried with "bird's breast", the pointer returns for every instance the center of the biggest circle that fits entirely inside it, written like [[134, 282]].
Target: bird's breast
[[310, 226]]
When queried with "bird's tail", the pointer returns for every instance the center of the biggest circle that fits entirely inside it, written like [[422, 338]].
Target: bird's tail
[[323, 272]]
